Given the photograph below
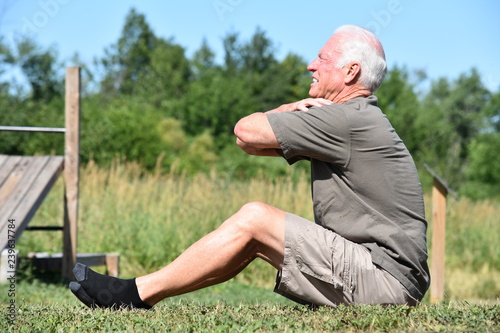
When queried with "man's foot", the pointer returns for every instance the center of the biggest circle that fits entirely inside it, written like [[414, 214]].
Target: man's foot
[[78, 291], [97, 290]]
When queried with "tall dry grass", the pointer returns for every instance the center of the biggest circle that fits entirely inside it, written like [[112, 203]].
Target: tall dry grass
[[150, 218], [472, 248]]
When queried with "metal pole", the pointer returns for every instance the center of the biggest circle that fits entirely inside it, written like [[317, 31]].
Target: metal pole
[[33, 129]]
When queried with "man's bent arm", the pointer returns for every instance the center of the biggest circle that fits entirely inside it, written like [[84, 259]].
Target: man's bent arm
[[255, 136]]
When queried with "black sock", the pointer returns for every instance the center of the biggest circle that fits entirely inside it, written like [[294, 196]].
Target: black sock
[[78, 291], [106, 291]]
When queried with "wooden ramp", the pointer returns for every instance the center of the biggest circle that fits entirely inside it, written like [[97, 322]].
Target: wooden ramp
[[26, 180], [24, 183]]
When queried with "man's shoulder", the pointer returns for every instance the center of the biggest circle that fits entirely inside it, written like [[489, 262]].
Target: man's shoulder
[[361, 103], [354, 104]]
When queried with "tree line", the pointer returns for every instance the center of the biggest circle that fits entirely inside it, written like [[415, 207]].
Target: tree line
[[145, 100]]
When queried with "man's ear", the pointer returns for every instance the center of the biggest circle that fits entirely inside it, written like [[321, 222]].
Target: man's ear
[[352, 72]]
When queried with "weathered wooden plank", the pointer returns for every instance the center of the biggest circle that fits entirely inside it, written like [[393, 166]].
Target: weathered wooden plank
[[44, 181], [439, 193], [8, 164], [26, 190], [10, 192], [41, 186], [71, 170], [3, 159], [18, 182]]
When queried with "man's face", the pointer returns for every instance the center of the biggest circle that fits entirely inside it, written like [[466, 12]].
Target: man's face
[[328, 80]]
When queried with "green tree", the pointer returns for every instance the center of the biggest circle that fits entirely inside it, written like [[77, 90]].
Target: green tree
[[215, 103], [436, 135], [38, 104], [257, 55], [491, 119], [232, 54], [483, 173], [297, 79], [167, 75], [6, 61], [144, 65], [466, 107], [203, 61], [451, 116], [126, 61], [40, 68], [11, 112], [250, 80], [124, 127]]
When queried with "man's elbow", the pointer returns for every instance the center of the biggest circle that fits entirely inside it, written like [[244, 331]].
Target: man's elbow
[[237, 129], [242, 134]]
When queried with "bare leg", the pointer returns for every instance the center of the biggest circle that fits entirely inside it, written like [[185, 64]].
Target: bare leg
[[257, 230]]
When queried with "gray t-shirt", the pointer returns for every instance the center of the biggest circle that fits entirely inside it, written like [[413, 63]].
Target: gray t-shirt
[[365, 185]]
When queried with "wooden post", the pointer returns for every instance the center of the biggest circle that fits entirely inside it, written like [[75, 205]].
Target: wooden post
[[439, 193], [113, 264], [71, 170]]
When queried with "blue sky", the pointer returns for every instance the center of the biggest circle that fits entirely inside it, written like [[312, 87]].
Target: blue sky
[[444, 38]]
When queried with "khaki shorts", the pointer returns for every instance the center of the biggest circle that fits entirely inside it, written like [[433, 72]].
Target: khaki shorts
[[322, 268]]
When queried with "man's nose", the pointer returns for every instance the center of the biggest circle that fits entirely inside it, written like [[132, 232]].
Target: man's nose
[[313, 65]]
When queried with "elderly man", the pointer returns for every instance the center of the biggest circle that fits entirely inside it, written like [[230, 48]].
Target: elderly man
[[368, 242]]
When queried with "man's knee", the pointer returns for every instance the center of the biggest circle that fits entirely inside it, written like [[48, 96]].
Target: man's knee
[[255, 209], [257, 216]]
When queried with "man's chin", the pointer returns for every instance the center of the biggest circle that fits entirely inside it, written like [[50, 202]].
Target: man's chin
[[313, 93]]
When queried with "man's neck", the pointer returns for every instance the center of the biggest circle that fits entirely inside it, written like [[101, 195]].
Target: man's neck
[[351, 92]]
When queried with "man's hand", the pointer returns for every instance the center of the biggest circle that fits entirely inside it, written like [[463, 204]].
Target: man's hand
[[302, 105]]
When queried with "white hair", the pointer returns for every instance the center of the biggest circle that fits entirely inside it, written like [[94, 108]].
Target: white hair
[[362, 46]]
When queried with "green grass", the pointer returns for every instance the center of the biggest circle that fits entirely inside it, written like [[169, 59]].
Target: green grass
[[150, 218], [186, 317], [237, 307]]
